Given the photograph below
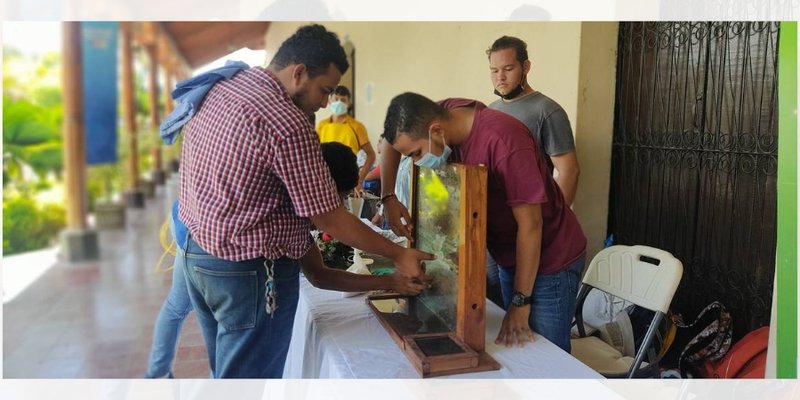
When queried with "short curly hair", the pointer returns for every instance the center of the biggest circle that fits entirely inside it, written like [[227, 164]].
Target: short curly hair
[[410, 113], [313, 46], [510, 42], [341, 90]]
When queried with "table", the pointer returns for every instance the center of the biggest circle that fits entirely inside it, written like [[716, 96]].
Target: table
[[339, 337]]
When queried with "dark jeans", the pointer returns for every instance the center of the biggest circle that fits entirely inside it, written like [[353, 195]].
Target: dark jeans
[[554, 298], [242, 340]]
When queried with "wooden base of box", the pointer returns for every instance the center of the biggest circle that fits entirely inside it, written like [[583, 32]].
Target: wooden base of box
[[459, 359], [447, 364]]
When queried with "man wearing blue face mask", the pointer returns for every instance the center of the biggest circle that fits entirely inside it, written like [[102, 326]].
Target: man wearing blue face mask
[[429, 160], [530, 230], [341, 127]]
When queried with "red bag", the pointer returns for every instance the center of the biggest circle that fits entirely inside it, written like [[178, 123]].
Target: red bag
[[746, 359]]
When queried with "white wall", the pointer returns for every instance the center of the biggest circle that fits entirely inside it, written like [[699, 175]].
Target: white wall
[[446, 59], [595, 129]]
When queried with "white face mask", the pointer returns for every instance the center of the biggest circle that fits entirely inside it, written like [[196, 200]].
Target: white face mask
[[338, 108]]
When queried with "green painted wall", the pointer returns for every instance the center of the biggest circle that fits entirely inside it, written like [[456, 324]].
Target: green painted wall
[[787, 202]]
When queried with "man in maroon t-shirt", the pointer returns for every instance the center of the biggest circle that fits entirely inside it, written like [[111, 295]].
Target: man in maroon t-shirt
[[531, 232]]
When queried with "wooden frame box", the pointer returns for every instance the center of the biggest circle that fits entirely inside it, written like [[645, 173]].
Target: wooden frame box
[[443, 331]]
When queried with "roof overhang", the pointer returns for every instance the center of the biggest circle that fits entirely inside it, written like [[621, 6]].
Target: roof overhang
[[202, 42]]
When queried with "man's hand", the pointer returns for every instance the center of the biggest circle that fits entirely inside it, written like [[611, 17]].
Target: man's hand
[[377, 220], [409, 263], [406, 285], [393, 211], [515, 327], [361, 176], [334, 279]]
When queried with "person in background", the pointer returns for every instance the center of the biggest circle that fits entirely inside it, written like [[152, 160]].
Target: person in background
[[343, 168], [547, 121], [341, 127]]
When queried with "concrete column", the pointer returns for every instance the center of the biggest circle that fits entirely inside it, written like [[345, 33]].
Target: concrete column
[[172, 151], [79, 243], [155, 117], [594, 129], [134, 196]]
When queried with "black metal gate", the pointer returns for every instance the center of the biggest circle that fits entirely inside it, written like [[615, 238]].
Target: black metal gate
[[694, 160]]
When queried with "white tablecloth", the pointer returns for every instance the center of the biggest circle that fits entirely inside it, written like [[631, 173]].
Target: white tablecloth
[[336, 337]]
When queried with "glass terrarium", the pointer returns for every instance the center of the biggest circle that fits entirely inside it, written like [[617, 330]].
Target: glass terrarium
[[442, 331]]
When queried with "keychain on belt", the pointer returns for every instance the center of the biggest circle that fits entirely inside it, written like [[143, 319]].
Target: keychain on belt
[[270, 295]]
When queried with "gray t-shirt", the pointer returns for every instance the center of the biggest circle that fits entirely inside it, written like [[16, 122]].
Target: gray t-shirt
[[546, 120]]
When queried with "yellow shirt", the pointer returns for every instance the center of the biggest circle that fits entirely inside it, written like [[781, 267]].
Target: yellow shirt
[[349, 132]]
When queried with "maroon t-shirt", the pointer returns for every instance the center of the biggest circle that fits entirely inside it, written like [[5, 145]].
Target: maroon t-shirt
[[517, 174]]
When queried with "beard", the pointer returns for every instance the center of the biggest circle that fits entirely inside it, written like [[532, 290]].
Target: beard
[[511, 94], [515, 92], [299, 99]]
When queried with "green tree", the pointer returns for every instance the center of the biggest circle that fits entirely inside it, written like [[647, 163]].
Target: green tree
[[31, 139], [32, 115], [32, 149]]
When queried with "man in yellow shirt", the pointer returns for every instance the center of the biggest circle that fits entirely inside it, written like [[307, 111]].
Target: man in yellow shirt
[[341, 127]]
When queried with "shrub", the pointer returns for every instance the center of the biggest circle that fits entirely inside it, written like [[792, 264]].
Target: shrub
[[103, 183], [53, 220], [28, 226]]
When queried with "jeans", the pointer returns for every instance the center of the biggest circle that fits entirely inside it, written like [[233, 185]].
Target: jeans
[[554, 298], [168, 323], [242, 339], [170, 319]]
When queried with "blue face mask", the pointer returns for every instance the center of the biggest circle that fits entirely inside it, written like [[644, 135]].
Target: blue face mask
[[338, 108], [429, 160]]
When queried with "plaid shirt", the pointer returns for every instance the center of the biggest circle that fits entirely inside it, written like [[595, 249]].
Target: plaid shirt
[[252, 172]]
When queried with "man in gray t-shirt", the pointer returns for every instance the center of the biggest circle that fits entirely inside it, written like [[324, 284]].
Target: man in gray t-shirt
[[546, 119]]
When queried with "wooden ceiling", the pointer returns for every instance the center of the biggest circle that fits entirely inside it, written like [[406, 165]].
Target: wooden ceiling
[[202, 42]]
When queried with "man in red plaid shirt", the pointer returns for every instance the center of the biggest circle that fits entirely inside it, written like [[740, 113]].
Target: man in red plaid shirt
[[252, 181]]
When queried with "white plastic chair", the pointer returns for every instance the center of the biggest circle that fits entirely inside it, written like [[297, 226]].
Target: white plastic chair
[[642, 275]]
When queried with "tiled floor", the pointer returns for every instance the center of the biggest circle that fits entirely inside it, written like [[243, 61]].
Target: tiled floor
[[95, 319]]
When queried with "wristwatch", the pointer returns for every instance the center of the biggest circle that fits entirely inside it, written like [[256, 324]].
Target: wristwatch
[[518, 299]]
